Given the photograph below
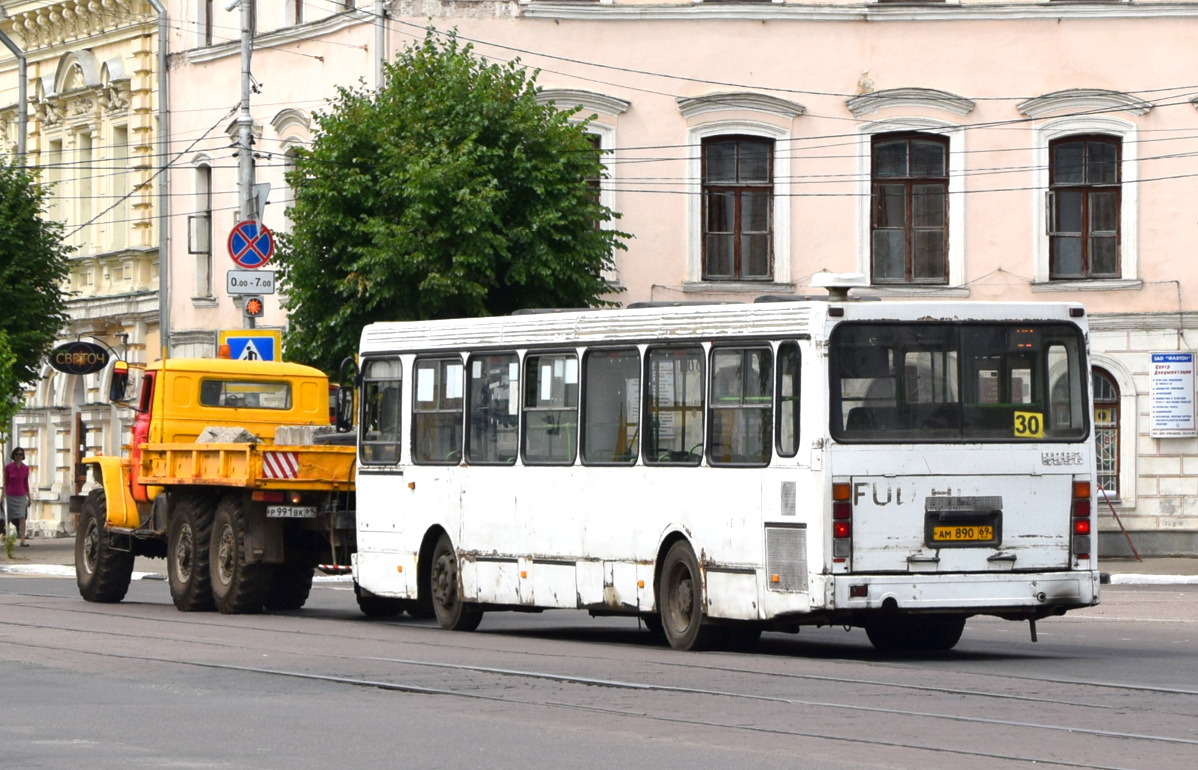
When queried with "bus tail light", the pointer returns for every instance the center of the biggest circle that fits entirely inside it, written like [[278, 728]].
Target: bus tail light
[[1081, 519], [842, 521]]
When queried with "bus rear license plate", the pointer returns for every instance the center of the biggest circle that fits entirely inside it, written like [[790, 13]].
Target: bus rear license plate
[[291, 511], [962, 534]]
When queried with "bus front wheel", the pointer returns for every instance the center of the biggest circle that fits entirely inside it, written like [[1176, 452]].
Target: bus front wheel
[[453, 613], [681, 601]]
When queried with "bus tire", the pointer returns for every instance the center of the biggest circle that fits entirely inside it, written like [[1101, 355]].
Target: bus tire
[[741, 638], [373, 606], [290, 585], [453, 614], [102, 572], [681, 600], [941, 633], [187, 553], [931, 633], [239, 586]]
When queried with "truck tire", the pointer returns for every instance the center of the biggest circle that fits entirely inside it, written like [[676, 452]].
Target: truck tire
[[102, 572], [187, 553], [453, 613], [239, 586], [289, 586]]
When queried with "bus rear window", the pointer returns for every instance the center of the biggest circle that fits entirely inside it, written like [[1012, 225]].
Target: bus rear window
[[940, 382]]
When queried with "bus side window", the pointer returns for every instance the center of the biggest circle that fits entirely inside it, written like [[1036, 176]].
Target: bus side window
[[551, 409], [494, 407], [437, 411], [381, 416], [741, 406], [789, 362], [674, 406], [611, 385]]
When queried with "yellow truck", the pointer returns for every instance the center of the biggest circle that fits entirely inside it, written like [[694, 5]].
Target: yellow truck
[[234, 476]]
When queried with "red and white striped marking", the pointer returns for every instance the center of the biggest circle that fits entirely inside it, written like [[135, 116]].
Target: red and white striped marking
[[280, 465]]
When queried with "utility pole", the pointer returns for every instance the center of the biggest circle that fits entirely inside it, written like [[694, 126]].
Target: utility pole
[[246, 201]]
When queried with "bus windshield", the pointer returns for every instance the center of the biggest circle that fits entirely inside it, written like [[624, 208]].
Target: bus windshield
[[964, 383]]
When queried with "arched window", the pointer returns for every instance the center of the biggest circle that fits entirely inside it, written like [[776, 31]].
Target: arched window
[[1106, 432]]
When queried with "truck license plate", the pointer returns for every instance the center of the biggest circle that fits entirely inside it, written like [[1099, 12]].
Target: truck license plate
[[962, 534], [291, 511]]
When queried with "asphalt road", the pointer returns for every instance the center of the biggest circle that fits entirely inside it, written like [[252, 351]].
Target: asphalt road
[[138, 684]]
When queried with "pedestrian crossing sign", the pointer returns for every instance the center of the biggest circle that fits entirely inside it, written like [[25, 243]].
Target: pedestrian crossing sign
[[251, 344]]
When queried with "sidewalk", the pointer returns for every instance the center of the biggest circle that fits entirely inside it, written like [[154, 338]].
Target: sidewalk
[[55, 556]]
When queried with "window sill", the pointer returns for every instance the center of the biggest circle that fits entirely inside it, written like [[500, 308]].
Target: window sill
[[1096, 284], [204, 301], [737, 287], [891, 290]]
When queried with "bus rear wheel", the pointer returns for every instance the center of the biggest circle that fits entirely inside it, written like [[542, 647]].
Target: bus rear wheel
[[373, 606], [928, 633], [682, 602], [453, 613]]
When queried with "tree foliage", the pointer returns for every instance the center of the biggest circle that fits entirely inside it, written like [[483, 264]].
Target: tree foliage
[[449, 192], [33, 270]]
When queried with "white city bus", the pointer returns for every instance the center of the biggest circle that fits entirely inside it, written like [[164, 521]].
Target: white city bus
[[719, 470]]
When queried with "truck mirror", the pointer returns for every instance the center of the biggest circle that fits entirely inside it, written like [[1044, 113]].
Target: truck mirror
[[120, 381], [344, 417]]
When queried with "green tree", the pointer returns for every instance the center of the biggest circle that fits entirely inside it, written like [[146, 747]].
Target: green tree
[[33, 270], [449, 192]]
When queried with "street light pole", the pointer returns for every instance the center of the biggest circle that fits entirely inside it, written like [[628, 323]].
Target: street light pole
[[247, 204]]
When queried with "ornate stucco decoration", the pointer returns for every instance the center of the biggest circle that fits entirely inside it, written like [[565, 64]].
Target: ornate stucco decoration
[[1083, 100], [928, 98], [64, 22], [741, 100]]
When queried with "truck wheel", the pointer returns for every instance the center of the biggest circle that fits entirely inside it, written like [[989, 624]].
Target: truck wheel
[[682, 603], [453, 614], [290, 585], [378, 606], [238, 585], [187, 553], [102, 572]]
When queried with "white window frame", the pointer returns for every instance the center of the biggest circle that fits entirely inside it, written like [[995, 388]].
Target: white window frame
[[781, 198], [1051, 130], [956, 197], [205, 266]]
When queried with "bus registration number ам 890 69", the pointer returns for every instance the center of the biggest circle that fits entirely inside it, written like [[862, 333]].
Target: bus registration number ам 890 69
[[964, 533]]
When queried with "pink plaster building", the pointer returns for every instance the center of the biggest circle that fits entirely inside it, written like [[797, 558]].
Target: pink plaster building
[[1019, 150]]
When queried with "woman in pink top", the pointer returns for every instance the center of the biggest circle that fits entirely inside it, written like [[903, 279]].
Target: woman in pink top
[[16, 492]]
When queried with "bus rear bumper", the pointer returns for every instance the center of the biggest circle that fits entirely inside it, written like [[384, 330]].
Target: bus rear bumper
[[1044, 593]]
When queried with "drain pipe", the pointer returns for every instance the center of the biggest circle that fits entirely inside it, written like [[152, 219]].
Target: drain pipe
[[22, 96], [380, 40], [164, 113]]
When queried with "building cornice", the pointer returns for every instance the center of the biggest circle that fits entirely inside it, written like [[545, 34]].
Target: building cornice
[[283, 36], [929, 98], [739, 100], [872, 12], [1081, 100], [591, 101]]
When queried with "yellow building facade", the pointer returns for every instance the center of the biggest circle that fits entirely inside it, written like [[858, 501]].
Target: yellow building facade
[[89, 120]]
